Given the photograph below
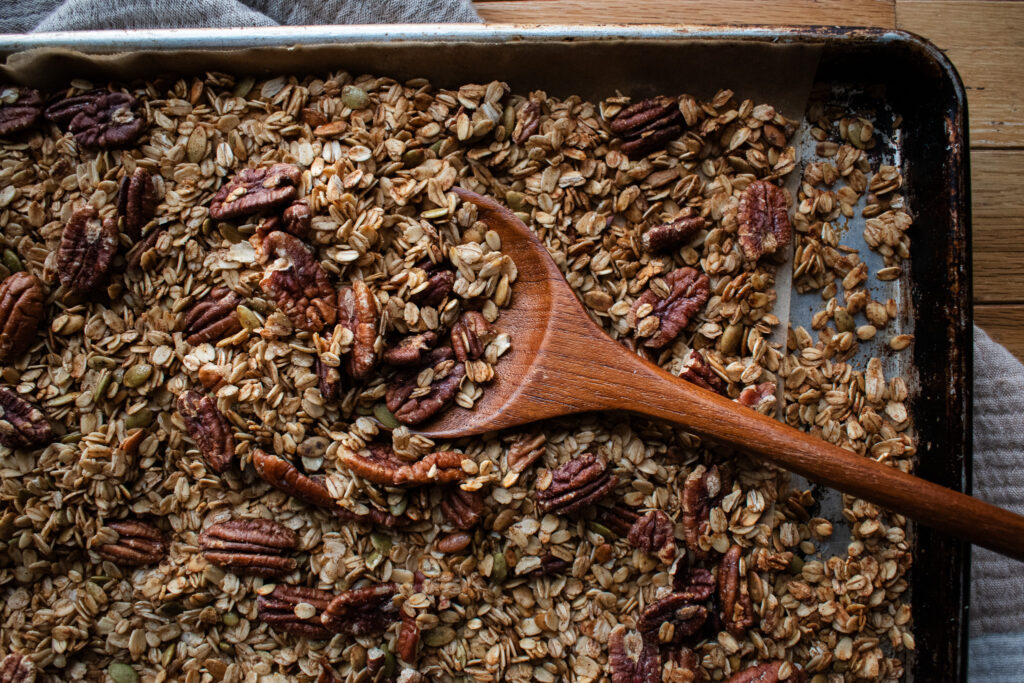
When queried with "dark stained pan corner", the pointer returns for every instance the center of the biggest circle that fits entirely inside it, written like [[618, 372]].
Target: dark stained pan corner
[[917, 80]]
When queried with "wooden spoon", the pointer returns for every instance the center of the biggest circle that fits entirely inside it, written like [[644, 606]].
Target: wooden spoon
[[562, 363]]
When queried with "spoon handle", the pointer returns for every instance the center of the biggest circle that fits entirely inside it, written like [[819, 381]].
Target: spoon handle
[[638, 386]]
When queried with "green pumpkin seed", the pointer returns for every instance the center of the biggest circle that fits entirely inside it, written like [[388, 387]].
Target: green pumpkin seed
[[439, 637], [168, 655], [101, 387], [99, 579], [71, 437], [143, 418], [844, 321], [230, 619], [602, 530], [171, 609], [436, 147], [12, 261], [729, 344], [353, 97], [398, 509], [390, 665], [500, 569], [137, 375], [226, 648], [122, 673], [244, 87], [413, 157], [249, 318], [381, 542], [230, 233], [384, 416], [515, 200], [101, 363], [374, 559]]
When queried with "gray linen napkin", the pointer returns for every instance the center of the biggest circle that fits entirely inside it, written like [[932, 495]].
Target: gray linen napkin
[[997, 589]]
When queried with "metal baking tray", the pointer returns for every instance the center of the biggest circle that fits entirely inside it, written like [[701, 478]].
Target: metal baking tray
[[873, 68]]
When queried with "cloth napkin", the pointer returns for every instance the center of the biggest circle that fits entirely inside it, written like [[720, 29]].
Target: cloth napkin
[[997, 588]]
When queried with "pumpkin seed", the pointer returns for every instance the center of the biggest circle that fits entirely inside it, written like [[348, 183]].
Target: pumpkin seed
[[12, 261], [381, 542], [353, 97], [230, 619], [413, 158], [143, 418], [439, 637], [244, 86], [729, 344], [249, 318], [122, 673], [601, 530], [137, 375], [101, 363], [499, 571], [384, 416], [374, 559]]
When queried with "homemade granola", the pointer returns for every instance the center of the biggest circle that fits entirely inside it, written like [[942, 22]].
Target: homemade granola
[[224, 302]]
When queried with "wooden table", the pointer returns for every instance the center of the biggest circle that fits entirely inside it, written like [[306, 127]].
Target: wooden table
[[983, 38]]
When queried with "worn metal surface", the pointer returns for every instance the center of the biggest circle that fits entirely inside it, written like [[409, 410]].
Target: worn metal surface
[[894, 72]]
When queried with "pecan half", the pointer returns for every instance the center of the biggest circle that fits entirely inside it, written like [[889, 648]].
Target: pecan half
[[63, 111], [470, 335], [22, 425], [250, 547], [412, 350], [673, 234], [648, 126], [696, 581], [684, 667], [17, 668], [632, 658], [20, 108], [681, 611], [107, 122], [362, 611], [253, 190], [619, 518], [576, 484], [278, 610], [284, 476], [702, 490], [769, 672], [654, 533], [382, 466], [357, 311], [462, 509], [763, 219], [527, 122], [736, 611], [138, 544], [21, 309], [408, 639], [298, 282], [208, 428], [298, 219], [329, 381], [213, 317], [550, 565], [688, 291], [136, 201], [525, 451], [137, 259], [758, 395], [438, 285], [86, 251], [412, 404], [698, 371]]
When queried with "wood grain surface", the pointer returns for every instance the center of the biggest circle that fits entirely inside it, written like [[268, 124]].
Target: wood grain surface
[[983, 38]]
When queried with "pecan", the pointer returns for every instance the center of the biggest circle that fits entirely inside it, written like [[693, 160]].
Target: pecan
[[525, 451], [755, 396], [411, 350], [702, 490], [136, 201], [362, 611], [682, 611], [64, 111], [208, 428], [250, 547], [763, 219], [408, 639], [438, 285], [632, 659], [20, 108], [696, 581], [298, 219], [412, 404], [107, 122], [549, 564], [297, 282], [253, 190], [21, 310], [673, 234], [697, 370], [284, 476], [648, 126], [527, 122], [357, 311], [329, 381], [736, 611], [462, 509], [684, 667], [213, 317], [138, 544], [17, 668], [619, 518], [278, 610], [769, 672], [86, 251], [136, 257], [578, 483], [382, 466], [22, 425], [470, 335], [654, 534], [688, 291]]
